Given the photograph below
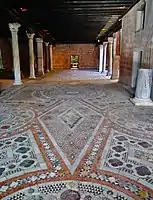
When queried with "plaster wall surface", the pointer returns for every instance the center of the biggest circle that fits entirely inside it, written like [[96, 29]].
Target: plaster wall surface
[[136, 41]]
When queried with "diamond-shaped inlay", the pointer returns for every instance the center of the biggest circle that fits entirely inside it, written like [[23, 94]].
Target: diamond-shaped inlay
[[71, 118], [71, 127]]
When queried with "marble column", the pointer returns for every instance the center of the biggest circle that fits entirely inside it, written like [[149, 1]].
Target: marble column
[[116, 64], [51, 56], [101, 59], [143, 88], [114, 44], [110, 52], [40, 61], [104, 72], [31, 56], [116, 58], [47, 56], [14, 27]]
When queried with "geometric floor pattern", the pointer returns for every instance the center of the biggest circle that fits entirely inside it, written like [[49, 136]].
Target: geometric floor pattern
[[74, 142]]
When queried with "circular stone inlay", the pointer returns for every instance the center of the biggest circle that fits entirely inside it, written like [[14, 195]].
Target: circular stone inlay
[[5, 127], [12, 166], [133, 118], [8, 142], [27, 163], [118, 149], [143, 171], [2, 170], [144, 144], [115, 162], [23, 150], [129, 165], [13, 117], [70, 195], [117, 155], [31, 190], [121, 138], [25, 156], [20, 139], [1, 144]]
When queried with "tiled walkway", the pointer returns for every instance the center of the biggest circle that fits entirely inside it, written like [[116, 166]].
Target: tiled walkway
[[74, 142], [74, 75]]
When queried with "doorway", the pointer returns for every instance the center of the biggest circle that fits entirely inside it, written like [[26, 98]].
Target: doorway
[[74, 61]]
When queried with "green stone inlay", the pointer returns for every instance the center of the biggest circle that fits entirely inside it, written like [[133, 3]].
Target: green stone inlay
[[1, 144], [12, 166], [27, 163], [20, 139], [23, 150], [2, 170]]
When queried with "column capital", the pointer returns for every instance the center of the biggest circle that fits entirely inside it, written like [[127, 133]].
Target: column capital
[[14, 27], [101, 46], [110, 40], [39, 40], [105, 43], [30, 35], [46, 44], [114, 35]]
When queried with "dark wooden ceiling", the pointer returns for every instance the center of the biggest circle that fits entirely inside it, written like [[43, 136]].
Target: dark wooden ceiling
[[66, 20]]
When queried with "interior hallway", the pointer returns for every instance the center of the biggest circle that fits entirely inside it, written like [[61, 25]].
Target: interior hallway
[[79, 141]]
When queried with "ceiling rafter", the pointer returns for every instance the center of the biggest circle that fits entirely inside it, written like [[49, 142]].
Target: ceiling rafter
[[69, 20]]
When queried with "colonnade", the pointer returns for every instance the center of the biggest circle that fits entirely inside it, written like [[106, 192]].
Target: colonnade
[[14, 27], [109, 56]]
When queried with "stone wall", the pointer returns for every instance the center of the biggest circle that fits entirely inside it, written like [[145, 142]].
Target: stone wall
[[24, 58], [6, 51], [88, 55], [133, 40]]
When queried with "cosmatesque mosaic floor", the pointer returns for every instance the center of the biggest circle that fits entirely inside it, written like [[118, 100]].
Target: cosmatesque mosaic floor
[[74, 142]]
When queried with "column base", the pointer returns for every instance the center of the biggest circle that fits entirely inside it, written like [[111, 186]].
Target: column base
[[141, 102], [17, 83], [100, 70], [104, 73], [47, 70], [40, 73], [114, 77], [74, 67], [32, 77], [109, 73]]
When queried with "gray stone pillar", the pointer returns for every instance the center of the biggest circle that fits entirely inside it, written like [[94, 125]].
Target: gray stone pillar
[[47, 56], [101, 59], [116, 59], [110, 52], [114, 44], [104, 72], [40, 60], [31, 56], [143, 88], [51, 56], [14, 27], [116, 64]]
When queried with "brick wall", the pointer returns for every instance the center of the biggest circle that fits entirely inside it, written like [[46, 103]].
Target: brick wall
[[88, 55], [136, 41]]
